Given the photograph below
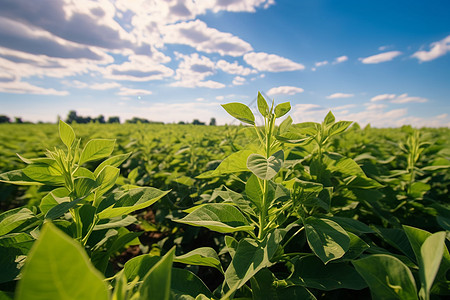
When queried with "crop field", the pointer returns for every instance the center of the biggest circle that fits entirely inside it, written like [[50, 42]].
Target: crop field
[[258, 211]]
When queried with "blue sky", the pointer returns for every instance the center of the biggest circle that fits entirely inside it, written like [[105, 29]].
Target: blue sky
[[386, 63]]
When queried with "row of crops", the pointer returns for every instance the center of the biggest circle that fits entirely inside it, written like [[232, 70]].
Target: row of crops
[[277, 211]]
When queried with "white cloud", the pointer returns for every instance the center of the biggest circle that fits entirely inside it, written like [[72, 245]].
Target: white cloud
[[284, 90], [403, 98], [340, 59], [339, 95], [234, 68], [271, 62], [203, 38], [138, 68], [383, 97], [192, 71], [124, 91], [379, 58], [20, 87], [438, 49], [321, 63], [238, 80], [375, 114]]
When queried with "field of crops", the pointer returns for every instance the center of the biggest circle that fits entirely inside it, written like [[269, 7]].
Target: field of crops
[[277, 211]]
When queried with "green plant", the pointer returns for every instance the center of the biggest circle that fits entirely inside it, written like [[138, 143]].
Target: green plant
[[87, 205]]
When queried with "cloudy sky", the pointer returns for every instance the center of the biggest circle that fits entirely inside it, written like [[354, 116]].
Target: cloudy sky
[[381, 62]]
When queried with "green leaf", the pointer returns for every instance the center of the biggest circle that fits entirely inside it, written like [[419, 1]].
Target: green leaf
[[236, 162], [96, 149], [387, 277], [231, 244], [156, 284], [186, 285], [250, 257], [120, 221], [264, 168], [329, 119], [139, 266], [310, 271], [338, 127], [285, 125], [282, 109], [114, 161], [66, 134], [105, 181], [327, 239], [60, 209], [218, 217], [18, 177], [58, 268], [352, 225], [134, 199], [262, 105], [83, 186], [53, 198], [45, 173], [240, 111], [204, 256], [12, 222], [431, 252]]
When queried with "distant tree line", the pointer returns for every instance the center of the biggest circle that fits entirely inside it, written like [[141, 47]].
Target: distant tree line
[[73, 117], [6, 119]]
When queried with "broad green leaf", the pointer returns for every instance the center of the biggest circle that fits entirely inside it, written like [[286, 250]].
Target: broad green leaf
[[45, 173], [231, 244], [352, 225], [254, 191], [240, 111], [204, 256], [139, 266], [83, 172], [356, 248], [236, 162], [309, 271], [338, 127], [96, 149], [114, 161], [282, 109], [262, 105], [17, 220], [250, 257], [417, 238], [285, 125], [60, 209], [431, 252], [187, 286], [120, 221], [307, 128], [66, 134], [329, 119], [398, 239], [156, 284], [132, 200], [327, 239], [264, 168], [105, 181], [265, 287], [18, 177], [58, 268], [387, 277], [220, 217], [83, 186], [53, 198]]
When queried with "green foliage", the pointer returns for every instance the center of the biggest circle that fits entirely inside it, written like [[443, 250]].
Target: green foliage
[[276, 211]]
